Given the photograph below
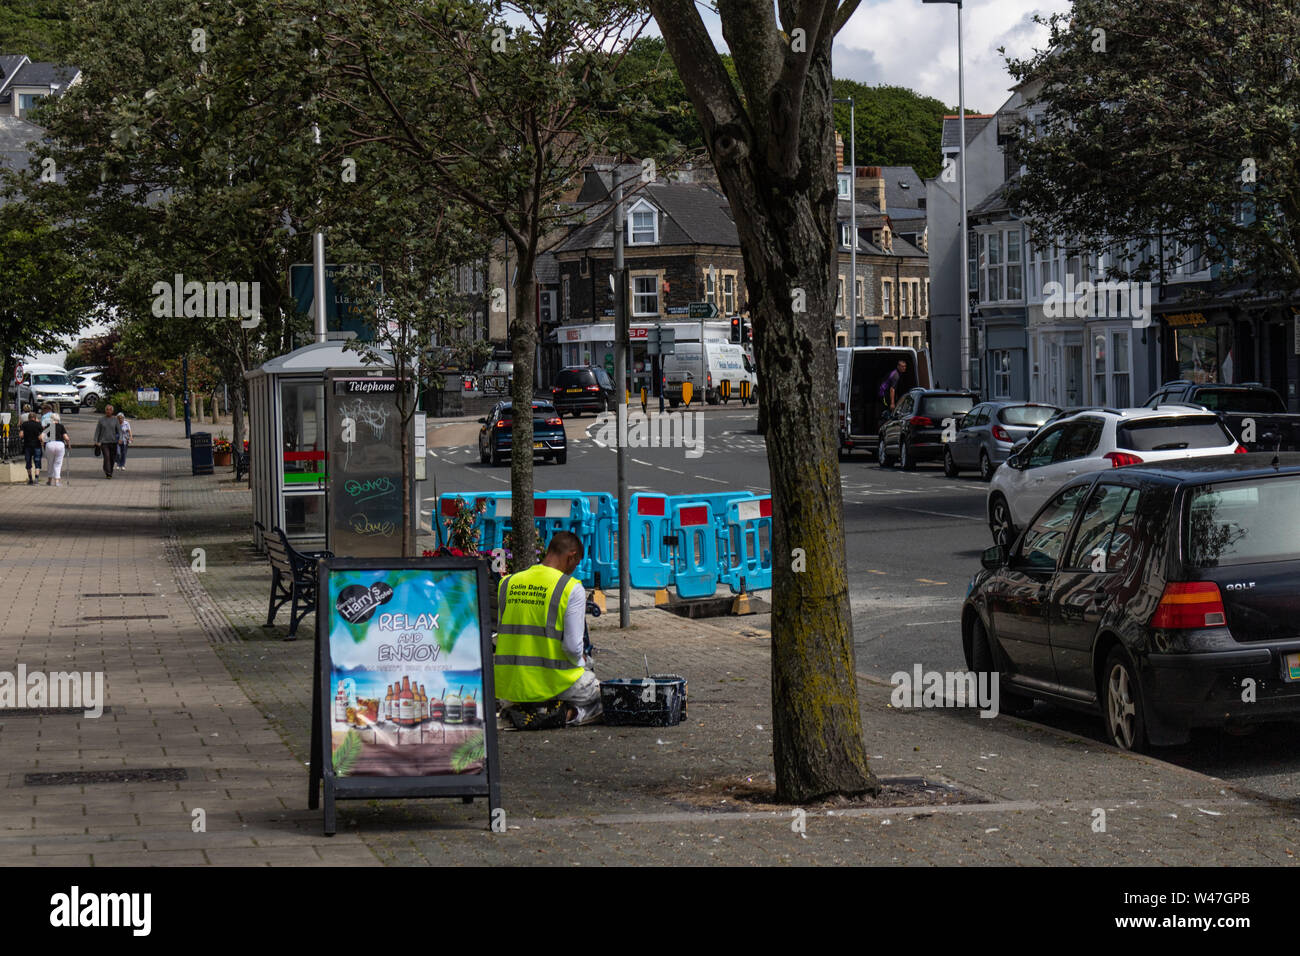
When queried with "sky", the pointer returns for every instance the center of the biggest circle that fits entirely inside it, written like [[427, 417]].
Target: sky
[[912, 44]]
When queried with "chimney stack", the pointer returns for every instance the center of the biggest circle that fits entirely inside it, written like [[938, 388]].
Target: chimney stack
[[870, 185]]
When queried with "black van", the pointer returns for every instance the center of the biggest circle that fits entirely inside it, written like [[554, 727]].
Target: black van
[[862, 370]]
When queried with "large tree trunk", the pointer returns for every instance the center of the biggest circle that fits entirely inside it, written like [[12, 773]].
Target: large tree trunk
[[784, 207]]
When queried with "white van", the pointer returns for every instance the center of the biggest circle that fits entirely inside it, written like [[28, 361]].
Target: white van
[[725, 362], [862, 370]]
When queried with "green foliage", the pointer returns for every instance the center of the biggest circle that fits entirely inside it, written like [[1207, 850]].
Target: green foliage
[[1175, 120], [347, 753], [125, 402], [469, 753], [895, 126], [37, 28]]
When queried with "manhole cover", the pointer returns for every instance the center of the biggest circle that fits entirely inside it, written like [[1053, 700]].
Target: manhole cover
[[127, 617], [68, 778], [46, 711]]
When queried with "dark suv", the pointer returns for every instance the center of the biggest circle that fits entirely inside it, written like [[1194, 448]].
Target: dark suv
[[914, 430], [1162, 596], [494, 438], [583, 388]]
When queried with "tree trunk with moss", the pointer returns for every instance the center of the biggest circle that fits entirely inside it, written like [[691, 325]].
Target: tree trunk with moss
[[775, 158]]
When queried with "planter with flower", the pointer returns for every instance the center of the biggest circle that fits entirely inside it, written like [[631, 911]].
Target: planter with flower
[[221, 451]]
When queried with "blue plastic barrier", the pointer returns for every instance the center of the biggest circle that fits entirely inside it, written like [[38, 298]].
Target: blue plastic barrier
[[649, 561], [603, 544], [747, 529], [696, 566]]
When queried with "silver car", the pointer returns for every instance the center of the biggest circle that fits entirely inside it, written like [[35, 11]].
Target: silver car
[[987, 432]]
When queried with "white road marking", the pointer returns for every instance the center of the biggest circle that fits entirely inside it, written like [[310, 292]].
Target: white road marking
[[707, 478]]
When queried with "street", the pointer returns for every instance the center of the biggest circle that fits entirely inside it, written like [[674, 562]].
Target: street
[[913, 542]]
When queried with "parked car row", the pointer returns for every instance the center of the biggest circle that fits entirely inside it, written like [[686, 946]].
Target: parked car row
[[1144, 560]]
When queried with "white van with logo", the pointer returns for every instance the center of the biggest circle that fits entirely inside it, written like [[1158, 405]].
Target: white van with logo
[[724, 362]]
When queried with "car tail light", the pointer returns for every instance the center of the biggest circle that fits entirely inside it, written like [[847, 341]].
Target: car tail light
[[1000, 433], [1187, 604], [503, 423], [1240, 450], [555, 421], [593, 388], [555, 389], [920, 421], [709, 380], [1118, 459]]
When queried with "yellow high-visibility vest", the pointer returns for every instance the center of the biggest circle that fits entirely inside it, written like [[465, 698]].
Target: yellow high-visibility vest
[[530, 664]]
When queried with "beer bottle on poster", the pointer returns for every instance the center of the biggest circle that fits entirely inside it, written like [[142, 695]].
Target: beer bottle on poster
[[424, 705], [406, 704]]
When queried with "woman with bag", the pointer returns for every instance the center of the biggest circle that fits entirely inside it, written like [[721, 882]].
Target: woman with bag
[[56, 448]]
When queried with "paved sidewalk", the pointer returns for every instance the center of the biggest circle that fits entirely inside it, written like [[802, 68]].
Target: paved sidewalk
[[94, 588], [623, 795]]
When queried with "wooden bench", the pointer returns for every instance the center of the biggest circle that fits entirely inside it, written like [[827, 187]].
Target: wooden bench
[[293, 580], [242, 467]]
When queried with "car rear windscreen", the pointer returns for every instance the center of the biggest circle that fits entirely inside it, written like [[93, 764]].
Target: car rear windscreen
[[946, 406], [572, 377], [1243, 522], [1172, 434], [1239, 400], [1032, 415]]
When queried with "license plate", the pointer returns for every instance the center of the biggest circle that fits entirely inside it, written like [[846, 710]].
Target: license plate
[[1291, 667], [574, 391], [538, 444]]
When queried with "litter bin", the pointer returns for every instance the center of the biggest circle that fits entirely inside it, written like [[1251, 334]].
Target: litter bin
[[201, 453]]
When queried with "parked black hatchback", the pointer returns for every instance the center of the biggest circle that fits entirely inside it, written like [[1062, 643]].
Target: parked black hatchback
[[914, 430], [1163, 596], [583, 388]]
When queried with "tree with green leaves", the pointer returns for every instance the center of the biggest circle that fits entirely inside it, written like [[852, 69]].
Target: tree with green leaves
[[501, 106], [895, 126], [773, 146], [43, 293], [1150, 119]]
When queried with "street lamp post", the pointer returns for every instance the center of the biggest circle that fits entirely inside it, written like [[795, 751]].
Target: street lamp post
[[851, 292], [961, 189]]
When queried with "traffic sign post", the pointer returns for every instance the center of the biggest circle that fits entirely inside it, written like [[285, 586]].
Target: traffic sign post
[[703, 310]]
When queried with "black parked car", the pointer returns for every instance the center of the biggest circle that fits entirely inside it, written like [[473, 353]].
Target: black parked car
[[1162, 596], [548, 433], [914, 430], [583, 388]]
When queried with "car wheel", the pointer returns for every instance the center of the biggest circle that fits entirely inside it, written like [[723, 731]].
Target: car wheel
[[562, 457], [843, 453], [882, 456], [982, 661], [482, 455], [91, 400], [604, 404], [496, 458], [1004, 531], [949, 466], [1122, 709], [76, 409], [905, 459], [986, 466], [576, 413], [711, 397]]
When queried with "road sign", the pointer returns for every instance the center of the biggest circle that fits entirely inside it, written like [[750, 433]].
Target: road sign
[[660, 341], [344, 312], [703, 310]]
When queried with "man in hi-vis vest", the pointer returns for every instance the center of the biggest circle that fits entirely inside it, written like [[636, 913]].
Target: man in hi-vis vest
[[541, 623]]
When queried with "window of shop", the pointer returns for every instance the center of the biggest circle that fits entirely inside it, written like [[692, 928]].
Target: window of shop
[[1201, 353], [1099, 368], [1001, 373], [1120, 377]]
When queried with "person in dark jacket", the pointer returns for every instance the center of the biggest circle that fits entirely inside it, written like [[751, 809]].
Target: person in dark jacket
[[106, 438], [30, 431]]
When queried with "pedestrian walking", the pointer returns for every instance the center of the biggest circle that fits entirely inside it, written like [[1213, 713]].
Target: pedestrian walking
[[56, 448], [123, 439], [30, 431], [106, 434], [47, 413]]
